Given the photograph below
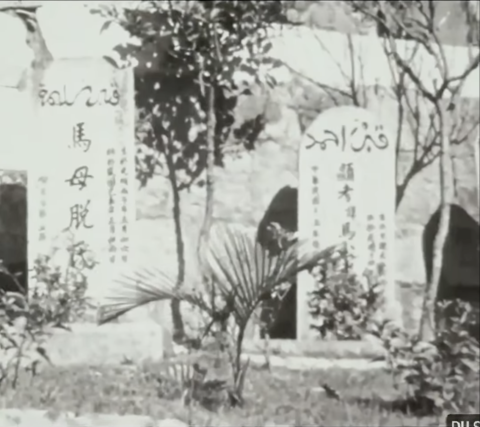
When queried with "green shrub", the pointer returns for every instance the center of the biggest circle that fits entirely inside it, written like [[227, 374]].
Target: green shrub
[[342, 307], [55, 298], [59, 294], [441, 375]]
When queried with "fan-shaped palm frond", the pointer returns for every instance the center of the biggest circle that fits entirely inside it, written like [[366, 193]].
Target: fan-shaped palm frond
[[242, 272], [140, 287], [246, 272]]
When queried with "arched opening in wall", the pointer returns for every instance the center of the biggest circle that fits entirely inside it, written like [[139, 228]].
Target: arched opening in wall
[[460, 276], [460, 272], [13, 231], [281, 216]]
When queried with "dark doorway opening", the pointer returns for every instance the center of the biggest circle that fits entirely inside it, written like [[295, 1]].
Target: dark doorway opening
[[460, 278], [13, 231], [283, 212]]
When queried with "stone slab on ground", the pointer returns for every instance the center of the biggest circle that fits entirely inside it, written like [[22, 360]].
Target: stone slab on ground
[[366, 349], [112, 344], [299, 363], [89, 344], [38, 418]]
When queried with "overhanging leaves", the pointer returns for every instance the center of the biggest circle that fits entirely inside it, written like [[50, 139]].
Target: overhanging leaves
[[242, 272], [246, 273]]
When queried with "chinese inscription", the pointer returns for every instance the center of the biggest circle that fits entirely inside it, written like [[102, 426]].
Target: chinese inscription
[[124, 195], [42, 214], [346, 177], [79, 211], [118, 209], [382, 246], [79, 177], [79, 139], [78, 216], [112, 226]]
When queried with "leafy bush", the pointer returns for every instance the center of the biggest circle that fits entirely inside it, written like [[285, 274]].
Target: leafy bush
[[55, 298], [342, 306], [59, 293], [441, 375]]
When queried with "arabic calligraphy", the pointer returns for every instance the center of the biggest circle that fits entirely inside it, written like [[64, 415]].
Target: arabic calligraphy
[[85, 95], [362, 136]]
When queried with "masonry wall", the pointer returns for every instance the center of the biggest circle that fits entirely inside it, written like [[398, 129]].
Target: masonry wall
[[250, 180], [247, 184]]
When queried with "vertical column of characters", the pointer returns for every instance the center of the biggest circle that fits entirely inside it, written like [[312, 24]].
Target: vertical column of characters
[[382, 247], [124, 232], [371, 244], [346, 178], [112, 206], [42, 206], [80, 144], [315, 204]]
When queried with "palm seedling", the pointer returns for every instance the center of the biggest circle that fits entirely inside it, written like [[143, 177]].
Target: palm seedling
[[240, 274]]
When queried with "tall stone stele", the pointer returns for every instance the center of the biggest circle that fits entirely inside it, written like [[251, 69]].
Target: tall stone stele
[[346, 197]]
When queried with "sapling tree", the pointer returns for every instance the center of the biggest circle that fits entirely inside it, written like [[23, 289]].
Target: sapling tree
[[188, 107], [432, 100]]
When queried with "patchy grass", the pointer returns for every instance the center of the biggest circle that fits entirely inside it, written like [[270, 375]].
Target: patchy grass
[[280, 397]]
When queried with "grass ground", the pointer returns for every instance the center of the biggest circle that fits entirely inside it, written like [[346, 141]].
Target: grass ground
[[280, 397]]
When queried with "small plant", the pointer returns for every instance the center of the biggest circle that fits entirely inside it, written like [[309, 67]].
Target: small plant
[[55, 298], [241, 274], [60, 292], [342, 307], [441, 375]]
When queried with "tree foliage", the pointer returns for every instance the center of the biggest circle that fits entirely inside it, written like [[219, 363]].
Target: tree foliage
[[439, 90], [187, 109], [202, 45]]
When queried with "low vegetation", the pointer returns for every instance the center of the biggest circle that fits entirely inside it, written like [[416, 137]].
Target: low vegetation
[[214, 384], [280, 397]]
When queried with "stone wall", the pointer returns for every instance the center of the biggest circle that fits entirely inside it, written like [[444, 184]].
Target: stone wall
[[249, 180]]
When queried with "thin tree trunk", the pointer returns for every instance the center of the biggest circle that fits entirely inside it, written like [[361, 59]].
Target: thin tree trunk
[[209, 171], [427, 324], [177, 321]]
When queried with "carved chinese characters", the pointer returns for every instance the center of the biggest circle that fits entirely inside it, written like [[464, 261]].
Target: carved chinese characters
[[315, 205], [87, 137], [42, 212], [112, 244], [120, 212], [351, 158]]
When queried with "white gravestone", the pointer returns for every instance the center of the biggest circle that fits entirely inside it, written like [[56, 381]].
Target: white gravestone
[[82, 187], [347, 195]]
